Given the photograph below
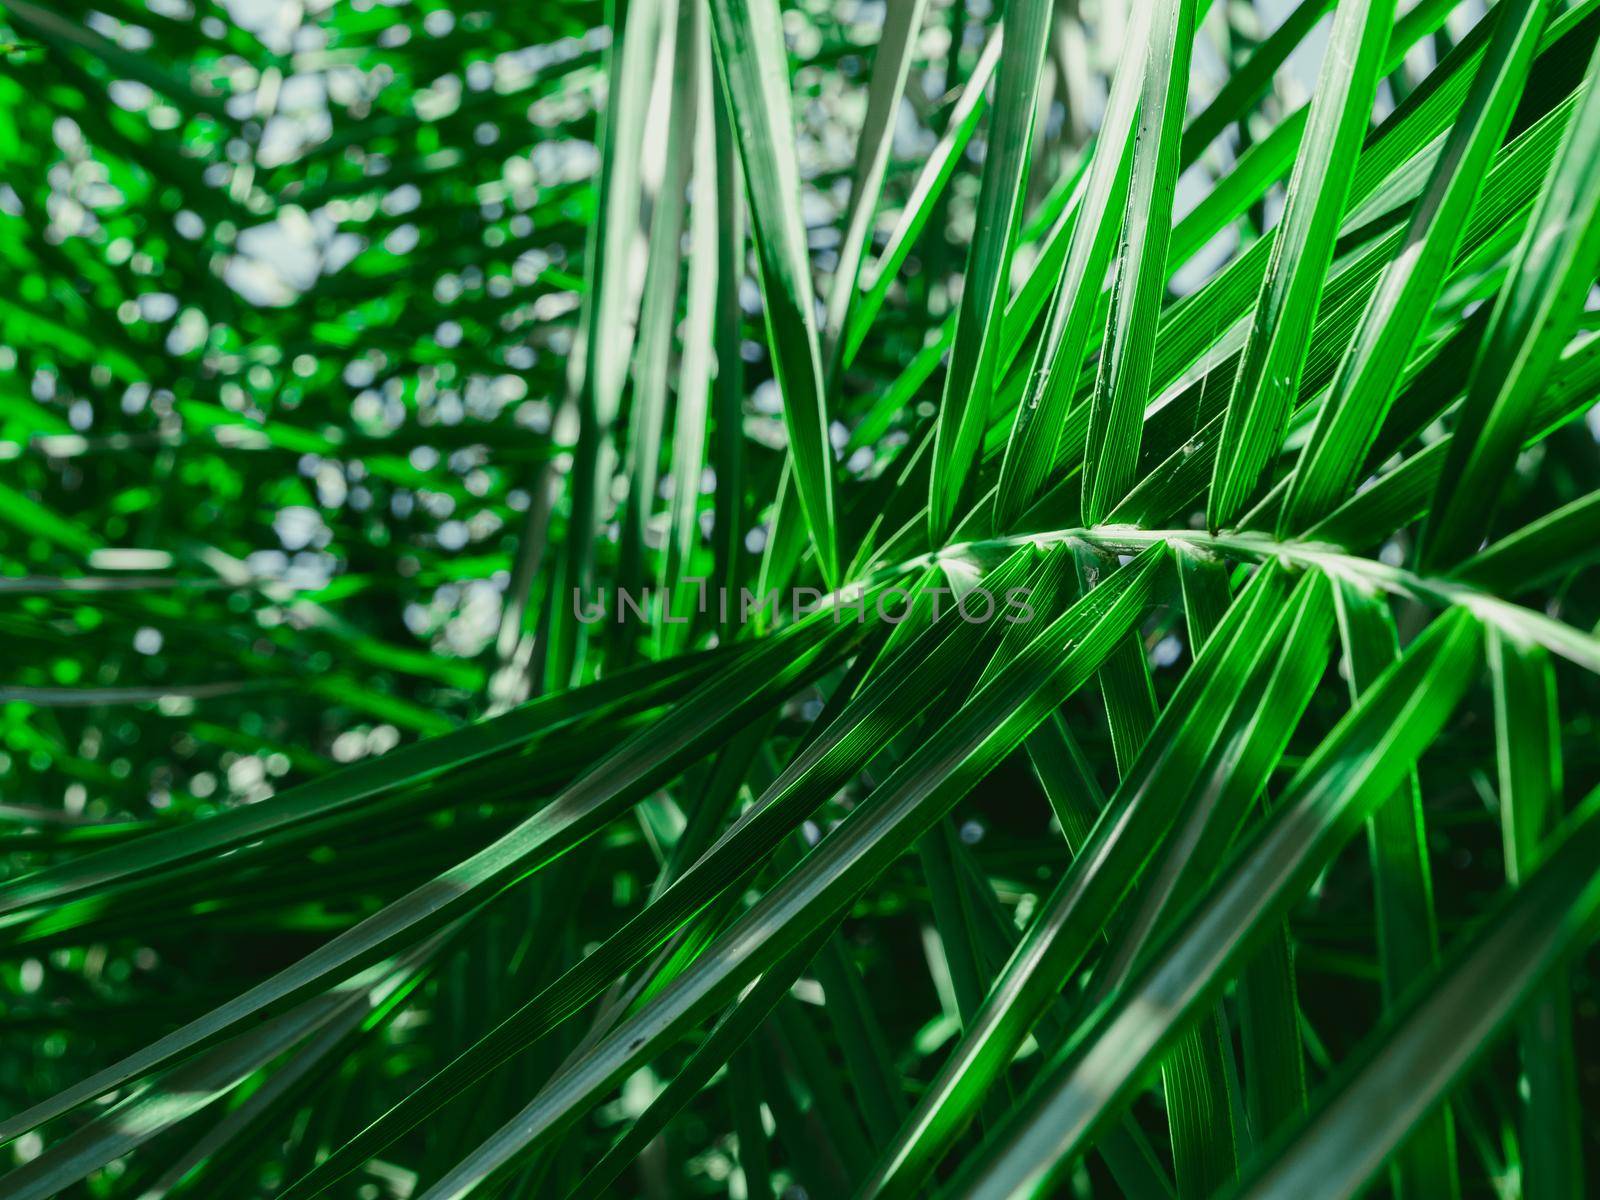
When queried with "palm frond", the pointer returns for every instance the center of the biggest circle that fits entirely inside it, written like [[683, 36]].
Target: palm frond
[[691, 598]]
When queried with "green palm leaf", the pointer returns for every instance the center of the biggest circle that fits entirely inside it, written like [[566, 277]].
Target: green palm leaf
[[656, 599]]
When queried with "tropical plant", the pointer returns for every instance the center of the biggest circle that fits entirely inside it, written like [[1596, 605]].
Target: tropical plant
[[842, 600]]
